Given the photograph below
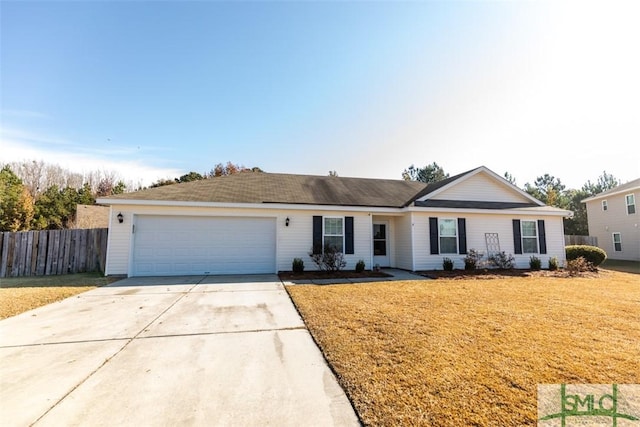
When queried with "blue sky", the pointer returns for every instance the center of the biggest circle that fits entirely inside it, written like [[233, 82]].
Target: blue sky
[[156, 89]]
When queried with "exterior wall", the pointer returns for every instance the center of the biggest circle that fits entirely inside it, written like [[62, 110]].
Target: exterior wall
[[476, 227], [402, 238], [602, 224], [408, 235], [294, 241], [119, 243], [481, 187]]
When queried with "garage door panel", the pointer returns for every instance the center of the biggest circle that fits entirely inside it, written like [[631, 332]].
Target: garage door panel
[[172, 245]]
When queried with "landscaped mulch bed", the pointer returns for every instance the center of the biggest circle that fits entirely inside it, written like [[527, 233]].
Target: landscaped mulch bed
[[319, 275], [484, 274], [472, 352]]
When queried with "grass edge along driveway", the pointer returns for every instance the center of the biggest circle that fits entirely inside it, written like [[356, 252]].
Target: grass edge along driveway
[[20, 294], [472, 352]]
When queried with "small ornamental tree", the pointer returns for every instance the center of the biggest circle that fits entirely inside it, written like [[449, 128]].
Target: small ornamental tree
[[472, 260], [502, 260]]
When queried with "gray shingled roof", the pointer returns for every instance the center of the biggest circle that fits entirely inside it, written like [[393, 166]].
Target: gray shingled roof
[[260, 187]]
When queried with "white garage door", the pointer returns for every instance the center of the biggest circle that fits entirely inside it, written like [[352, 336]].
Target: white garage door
[[174, 245]]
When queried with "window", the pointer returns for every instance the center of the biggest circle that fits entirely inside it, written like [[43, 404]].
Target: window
[[617, 242], [334, 233], [631, 203], [604, 205], [529, 237], [448, 236]]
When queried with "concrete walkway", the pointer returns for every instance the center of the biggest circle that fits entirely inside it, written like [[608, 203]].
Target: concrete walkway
[[188, 351]]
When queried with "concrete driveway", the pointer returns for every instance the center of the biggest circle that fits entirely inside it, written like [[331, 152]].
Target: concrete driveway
[[197, 350]]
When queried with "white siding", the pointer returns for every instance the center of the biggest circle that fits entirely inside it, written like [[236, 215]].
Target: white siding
[[402, 238], [481, 187], [602, 224], [294, 241], [476, 227], [119, 243]]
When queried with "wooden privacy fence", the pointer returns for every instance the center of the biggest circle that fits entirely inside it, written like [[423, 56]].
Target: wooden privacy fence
[[581, 240], [49, 252]]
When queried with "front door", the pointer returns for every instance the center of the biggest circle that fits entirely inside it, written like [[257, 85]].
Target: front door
[[381, 244]]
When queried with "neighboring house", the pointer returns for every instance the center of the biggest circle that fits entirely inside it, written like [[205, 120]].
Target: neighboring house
[[614, 219], [92, 216], [259, 222]]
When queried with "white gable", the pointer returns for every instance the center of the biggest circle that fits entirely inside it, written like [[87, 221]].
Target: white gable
[[480, 186]]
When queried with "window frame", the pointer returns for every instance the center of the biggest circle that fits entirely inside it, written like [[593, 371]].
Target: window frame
[[325, 235], [605, 205], [628, 205], [523, 237], [619, 242], [455, 236]]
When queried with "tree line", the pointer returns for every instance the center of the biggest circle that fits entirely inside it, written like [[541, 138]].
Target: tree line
[[40, 196]]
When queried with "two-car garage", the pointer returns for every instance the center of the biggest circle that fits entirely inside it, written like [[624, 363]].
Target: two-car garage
[[184, 245]]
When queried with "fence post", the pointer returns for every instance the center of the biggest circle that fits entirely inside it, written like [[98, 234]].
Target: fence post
[[4, 238]]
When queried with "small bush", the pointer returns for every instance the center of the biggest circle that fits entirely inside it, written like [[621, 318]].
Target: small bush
[[297, 265], [502, 260], [579, 265], [472, 260], [535, 263], [592, 254], [447, 264], [360, 266], [553, 264], [331, 259]]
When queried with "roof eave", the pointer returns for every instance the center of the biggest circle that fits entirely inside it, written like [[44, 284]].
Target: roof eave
[[265, 205], [513, 211]]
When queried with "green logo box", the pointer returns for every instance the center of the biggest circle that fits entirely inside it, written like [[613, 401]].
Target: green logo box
[[568, 405]]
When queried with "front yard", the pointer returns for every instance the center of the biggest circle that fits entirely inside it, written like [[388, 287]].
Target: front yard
[[472, 352]]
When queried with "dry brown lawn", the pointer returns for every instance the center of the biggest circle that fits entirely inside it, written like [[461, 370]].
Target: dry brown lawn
[[472, 352], [21, 294]]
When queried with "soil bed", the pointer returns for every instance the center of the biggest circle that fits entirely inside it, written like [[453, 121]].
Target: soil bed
[[343, 274], [486, 274]]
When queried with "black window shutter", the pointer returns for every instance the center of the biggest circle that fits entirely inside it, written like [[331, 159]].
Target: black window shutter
[[517, 237], [348, 234], [433, 235], [462, 236], [542, 238], [317, 235]]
